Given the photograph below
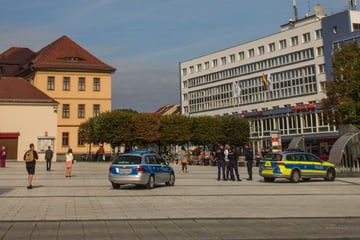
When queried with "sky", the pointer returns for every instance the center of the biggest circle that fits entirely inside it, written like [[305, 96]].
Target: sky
[[145, 40]]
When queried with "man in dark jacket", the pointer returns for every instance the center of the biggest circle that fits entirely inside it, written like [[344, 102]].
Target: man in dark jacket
[[220, 162], [249, 158], [233, 164], [48, 158]]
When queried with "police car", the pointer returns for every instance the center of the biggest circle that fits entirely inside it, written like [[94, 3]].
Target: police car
[[295, 166], [141, 168]]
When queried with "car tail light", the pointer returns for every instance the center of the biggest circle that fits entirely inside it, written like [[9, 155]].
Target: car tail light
[[110, 169], [141, 170]]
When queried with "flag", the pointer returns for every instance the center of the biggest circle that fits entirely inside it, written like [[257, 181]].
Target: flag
[[265, 82], [236, 89], [269, 82]]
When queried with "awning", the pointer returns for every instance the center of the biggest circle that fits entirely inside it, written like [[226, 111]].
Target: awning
[[297, 143], [338, 149], [9, 135]]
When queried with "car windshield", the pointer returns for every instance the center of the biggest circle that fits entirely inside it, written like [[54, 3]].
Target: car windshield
[[127, 159], [273, 157]]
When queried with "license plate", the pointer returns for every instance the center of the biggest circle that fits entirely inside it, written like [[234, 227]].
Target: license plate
[[123, 170]]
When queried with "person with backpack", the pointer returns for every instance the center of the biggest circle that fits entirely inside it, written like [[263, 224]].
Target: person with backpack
[[30, 158]]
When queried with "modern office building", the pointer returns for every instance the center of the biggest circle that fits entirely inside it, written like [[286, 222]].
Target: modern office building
[[276, 82]]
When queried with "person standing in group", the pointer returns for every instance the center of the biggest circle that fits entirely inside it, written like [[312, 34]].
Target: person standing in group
[[3, 157], [48, 158], [101, 153], [30, 158], [69, 162], [227, 167], [220, 162], [249, 158], [233, 164]]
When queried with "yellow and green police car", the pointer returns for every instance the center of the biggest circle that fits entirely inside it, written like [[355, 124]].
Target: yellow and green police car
[[295, 166]]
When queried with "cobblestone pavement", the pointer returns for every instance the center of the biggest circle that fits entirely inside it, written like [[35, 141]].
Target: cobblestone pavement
[[197, 207]]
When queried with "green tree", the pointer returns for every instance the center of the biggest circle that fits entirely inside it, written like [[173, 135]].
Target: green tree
[[206, 130], [115, 127], [146, 128], [342, 105], [175, 129], [236, 130]]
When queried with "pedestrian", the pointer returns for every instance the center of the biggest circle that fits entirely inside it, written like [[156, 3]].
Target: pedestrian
[[202, 158], [101, 153], [227, 167], [48, 158], [258, 159], [69, 162], [30, 158], [3, 157], [233, 164], [220, 162], [249, 158], [184, 160]]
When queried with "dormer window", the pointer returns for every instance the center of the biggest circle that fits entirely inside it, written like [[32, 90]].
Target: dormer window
[[72, 59]]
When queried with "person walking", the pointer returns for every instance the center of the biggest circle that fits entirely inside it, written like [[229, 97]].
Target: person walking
[[30, 158], [184, 160], [220, 162], [101, 153], [3, 153], [249, 158], [48, 158], [69, 162], [233, 164]]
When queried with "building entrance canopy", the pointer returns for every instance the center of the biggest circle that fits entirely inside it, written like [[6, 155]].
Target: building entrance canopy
[[345, 153]]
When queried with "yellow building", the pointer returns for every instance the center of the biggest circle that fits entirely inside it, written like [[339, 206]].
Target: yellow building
[[72, 76]]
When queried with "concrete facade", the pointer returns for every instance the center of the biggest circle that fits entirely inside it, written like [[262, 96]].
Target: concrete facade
[[296, 60]]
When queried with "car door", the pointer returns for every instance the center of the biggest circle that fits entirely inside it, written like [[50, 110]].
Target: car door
[[318, 169], [164, 168], [303, 164]]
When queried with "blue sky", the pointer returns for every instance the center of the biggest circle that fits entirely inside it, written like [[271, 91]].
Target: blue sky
[[145, 40]]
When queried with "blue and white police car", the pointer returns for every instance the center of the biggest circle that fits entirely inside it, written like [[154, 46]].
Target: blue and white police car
[[140, 168]]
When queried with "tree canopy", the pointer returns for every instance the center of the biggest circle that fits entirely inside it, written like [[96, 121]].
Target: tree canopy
[[131, 128], [342, 105]]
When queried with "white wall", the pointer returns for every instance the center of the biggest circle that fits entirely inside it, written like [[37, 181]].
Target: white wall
[[31, 121]]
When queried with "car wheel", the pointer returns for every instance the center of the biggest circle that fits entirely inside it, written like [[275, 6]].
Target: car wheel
[[151, 182], [115, 185], [330, 175], [269, 179], [295, 176], [171, 181]]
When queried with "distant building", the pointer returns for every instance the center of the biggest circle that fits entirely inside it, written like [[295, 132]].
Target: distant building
[[276, 82], [27, 116], [169, 109], [69, 74]]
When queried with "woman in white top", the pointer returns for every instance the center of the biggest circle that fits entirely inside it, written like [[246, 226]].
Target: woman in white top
[[69, 162]]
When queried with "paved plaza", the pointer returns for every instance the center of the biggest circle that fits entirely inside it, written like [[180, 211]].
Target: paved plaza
[[197, 207]]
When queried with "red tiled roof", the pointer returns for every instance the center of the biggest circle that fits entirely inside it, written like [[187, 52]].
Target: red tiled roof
[[16, 89], [168, 110], [66, 54], [13, 59]]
